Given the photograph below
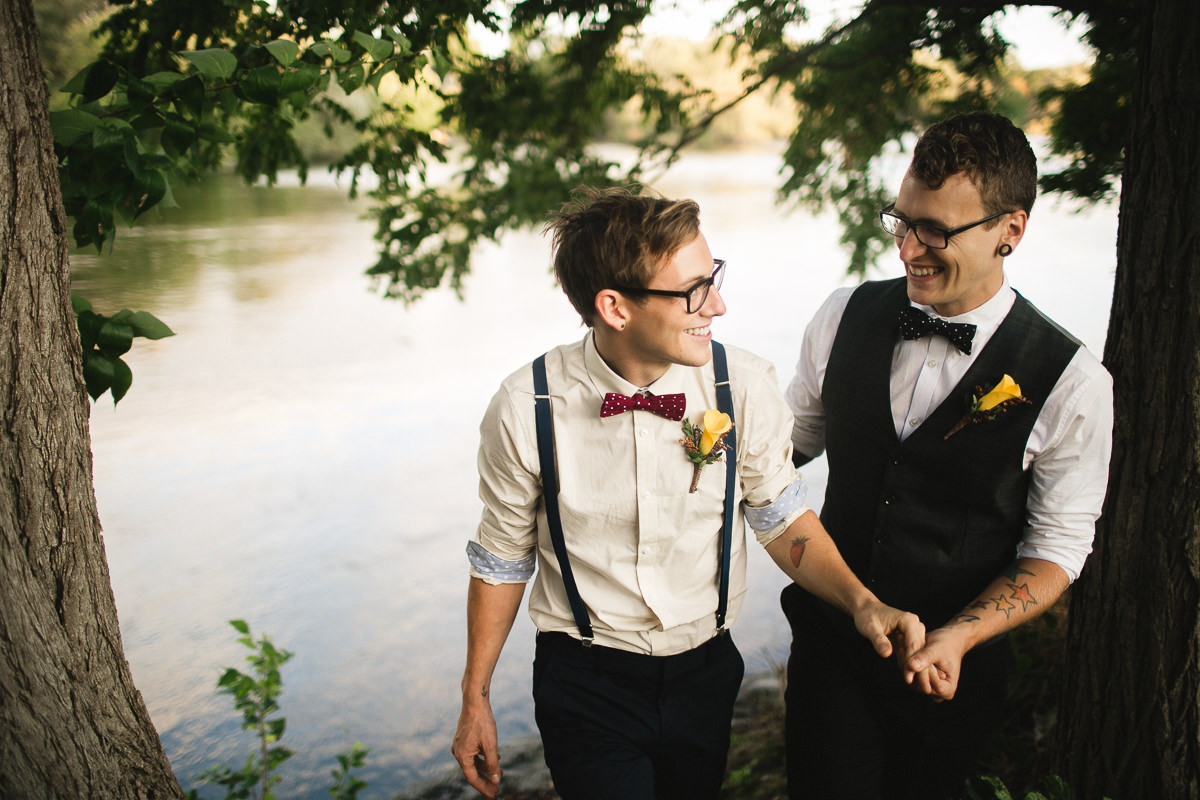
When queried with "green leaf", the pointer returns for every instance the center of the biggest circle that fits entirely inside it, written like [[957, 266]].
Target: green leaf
[[148, 188], [378, 49], [115, 338], [214, 64], [326, 49], [400, 39], [285, 51], [89, 324], [261, 85], [122, 380], [98, 372], [79, 304], [241, 626], [301, 78], [148, 326], [189, 96], [111, 134], [71, 125], [78, 81], [177, 136], [162, 81], [351, 80], [100, 80]]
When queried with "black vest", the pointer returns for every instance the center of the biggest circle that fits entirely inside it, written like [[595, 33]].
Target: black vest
[[928, 522]]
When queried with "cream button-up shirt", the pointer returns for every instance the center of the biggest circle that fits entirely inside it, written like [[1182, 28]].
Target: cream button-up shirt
[[644, 551]]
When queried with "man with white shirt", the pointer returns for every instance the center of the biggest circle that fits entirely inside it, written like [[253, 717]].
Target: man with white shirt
[[972, 515], [584, 474]]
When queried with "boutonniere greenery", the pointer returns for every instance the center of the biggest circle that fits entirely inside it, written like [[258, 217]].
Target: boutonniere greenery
[[983, 407], [705, 444]]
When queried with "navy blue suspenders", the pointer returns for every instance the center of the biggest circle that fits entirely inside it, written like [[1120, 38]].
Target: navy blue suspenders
[[545, 437]]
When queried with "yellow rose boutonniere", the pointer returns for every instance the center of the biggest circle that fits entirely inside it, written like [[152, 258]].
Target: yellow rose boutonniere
[[983, 407], [705, 444]]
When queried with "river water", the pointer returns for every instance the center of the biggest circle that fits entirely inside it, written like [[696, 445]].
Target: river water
[[301, 455]]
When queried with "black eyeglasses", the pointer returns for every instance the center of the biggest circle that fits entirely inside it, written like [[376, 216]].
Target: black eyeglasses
[[695, 296], [928, 235]]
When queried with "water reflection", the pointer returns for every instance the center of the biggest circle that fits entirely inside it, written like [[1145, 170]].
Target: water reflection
[[301, 454]]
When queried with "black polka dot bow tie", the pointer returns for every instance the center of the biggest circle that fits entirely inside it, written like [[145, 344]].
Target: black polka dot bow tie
[[915, 323], [665, 405]]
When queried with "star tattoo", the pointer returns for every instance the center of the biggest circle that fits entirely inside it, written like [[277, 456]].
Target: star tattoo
[[1004, 604], [1022, 595]]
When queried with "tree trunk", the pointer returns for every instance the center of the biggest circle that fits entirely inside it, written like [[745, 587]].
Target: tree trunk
[[72, 725], [1130, 717]]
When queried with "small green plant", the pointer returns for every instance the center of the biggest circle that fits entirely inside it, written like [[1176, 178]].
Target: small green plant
[[347, 786], [257, 696], [988, 788]]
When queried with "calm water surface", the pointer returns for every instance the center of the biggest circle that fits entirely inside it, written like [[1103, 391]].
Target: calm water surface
[[301, 454]]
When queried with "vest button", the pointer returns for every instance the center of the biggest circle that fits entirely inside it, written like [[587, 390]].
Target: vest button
[[897, 460]]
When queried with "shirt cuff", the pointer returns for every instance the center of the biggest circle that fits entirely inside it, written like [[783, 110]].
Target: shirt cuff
[[494, 569], [774, 513]]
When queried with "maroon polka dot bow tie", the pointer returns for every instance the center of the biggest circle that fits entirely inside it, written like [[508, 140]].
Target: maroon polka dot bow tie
[[665, 405]]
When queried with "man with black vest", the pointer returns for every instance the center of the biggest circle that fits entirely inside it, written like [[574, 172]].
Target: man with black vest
[[968, 439], [605, 465]]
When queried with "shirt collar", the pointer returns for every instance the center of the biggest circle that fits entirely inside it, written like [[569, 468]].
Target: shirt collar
[[987, 317]]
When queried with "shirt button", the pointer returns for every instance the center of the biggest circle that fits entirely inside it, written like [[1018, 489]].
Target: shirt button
[[642, 433], [932, 363], [915, 421]]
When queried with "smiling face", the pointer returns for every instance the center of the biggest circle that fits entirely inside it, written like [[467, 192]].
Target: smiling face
[[970, 270], [659, 330]]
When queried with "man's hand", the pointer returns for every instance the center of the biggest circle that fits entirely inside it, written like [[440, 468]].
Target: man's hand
[[476, 749], [890, 629], [935, 670]]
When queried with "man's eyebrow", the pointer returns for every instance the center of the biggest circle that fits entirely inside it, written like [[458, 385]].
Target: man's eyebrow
[[933, 223]]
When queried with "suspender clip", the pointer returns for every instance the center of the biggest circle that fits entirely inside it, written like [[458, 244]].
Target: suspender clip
[[588, 641]]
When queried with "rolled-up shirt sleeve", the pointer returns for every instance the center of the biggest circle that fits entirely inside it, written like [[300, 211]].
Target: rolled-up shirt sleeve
[[504, 547], [773, 492], [804, 392], [1070, 475]]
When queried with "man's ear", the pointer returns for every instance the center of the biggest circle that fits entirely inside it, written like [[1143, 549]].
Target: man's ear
[[1014, 227], [612, 309]]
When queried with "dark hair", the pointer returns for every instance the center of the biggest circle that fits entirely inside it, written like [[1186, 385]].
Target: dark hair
[[992, 152], [605, 238]]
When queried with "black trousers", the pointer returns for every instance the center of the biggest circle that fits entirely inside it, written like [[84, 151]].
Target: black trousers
[[856, 731], [625, 726]]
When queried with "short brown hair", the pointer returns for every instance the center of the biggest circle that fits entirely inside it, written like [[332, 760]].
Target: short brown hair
[[606, 238], [989, 149]]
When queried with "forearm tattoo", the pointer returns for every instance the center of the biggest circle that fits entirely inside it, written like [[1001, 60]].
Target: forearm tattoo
[[797, 551], [1002, 602]]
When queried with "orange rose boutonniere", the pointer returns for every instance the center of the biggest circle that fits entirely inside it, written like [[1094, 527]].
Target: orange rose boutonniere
[[983, 407], [705, 444]]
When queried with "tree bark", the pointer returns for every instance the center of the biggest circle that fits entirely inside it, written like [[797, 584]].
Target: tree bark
[[72, 725], [1130, 716]]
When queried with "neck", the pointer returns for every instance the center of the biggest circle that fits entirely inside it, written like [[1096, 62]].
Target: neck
[[622, 360]]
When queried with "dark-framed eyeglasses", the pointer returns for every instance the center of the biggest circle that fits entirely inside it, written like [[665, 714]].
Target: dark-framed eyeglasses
[[929, 235], [696, 296]]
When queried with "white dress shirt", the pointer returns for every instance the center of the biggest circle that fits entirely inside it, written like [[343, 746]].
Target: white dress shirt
[[642, 548], [1068, 449]]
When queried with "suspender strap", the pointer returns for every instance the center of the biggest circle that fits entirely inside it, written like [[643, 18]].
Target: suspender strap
[[545, 438], [725, 406]]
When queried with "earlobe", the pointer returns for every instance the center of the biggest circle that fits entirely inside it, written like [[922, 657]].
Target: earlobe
[[611, 310]]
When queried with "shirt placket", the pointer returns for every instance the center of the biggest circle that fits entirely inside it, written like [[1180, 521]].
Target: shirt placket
[[924, 392], [649, 536]]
